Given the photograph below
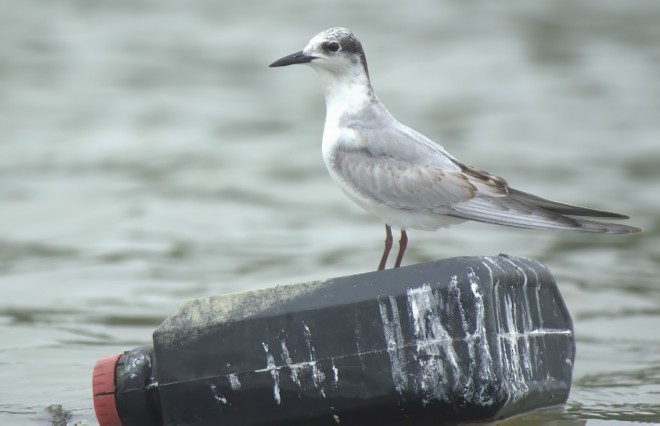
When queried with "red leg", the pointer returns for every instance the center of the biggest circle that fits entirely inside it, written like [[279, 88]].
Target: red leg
[[388, 247], [403, 244]]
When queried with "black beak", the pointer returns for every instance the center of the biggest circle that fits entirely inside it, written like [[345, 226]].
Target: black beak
[[294, 58]]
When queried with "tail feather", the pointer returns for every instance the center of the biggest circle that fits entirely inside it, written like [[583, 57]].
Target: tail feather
[[524, 210], [591, 225], [562, 208]]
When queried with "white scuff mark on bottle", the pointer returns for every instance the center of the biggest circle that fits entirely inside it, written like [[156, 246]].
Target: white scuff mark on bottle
[[335, 373], [286, 357], [523, 319], [308, 341], [520, 332], [234, 383], [538, 332], [136, 363], [533, 320], [455, 298], [217, 395], [537, 296], [455, 293], [395, 343], [515, 354], [318, 376], [436, 355], [485, 367], [274, 372], [496, 301]]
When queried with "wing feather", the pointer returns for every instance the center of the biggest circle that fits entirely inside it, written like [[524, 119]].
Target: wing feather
[[402, 169]]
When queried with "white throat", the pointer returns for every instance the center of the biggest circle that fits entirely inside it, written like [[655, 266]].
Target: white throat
[[345, 91]]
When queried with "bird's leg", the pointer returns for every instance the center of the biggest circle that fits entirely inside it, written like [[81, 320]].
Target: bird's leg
[[403, 243], [388, 247]]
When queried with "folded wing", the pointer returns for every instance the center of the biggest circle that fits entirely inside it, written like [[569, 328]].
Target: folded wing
[[421, 177]]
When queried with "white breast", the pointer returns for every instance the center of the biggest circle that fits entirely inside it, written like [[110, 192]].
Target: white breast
[[333, 136]]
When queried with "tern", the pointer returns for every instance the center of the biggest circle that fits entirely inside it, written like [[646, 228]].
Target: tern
[[403, 177]]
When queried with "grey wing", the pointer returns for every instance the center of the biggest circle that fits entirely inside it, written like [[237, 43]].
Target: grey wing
[[404, 170], [401, 169]]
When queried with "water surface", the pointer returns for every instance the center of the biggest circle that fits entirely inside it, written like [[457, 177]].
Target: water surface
[[148, 156]]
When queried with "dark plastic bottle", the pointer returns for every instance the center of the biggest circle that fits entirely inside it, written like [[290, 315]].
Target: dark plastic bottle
[[461, 339]]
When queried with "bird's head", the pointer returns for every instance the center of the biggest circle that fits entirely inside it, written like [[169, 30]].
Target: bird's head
[[336, 51]]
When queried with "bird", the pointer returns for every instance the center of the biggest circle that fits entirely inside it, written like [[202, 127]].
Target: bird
[[403, 177]]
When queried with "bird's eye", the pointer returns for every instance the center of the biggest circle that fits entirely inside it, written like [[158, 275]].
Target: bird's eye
[[333, 46]]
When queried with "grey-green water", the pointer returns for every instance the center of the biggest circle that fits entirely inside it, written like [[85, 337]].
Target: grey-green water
[[149, 156]]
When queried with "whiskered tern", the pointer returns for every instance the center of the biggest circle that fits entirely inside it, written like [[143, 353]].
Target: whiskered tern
[[403, 177]]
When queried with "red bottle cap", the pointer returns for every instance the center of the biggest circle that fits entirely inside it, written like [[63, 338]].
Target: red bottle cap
[[103, 386]]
